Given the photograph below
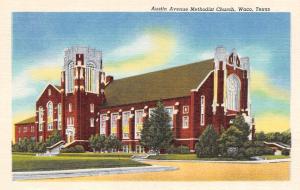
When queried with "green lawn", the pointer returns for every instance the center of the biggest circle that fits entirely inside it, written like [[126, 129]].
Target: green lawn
[[183, 157], [194, 157], [30, 162], [272, 157]]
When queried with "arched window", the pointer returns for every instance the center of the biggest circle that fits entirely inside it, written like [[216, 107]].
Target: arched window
[[70, 77], [233, 93], [41, 115], [202, 110], [50, 115], [91, 78]]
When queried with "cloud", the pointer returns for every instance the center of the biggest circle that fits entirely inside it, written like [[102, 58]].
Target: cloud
[[25, 84], [270, 122], [22, 86], [160, 46], [261, 85], [45, 73], [47, 70], [207, 54], [140, 46]]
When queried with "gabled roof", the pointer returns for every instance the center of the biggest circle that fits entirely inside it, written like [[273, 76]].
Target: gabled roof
[[57, 88], [26, 121], [164, 84]]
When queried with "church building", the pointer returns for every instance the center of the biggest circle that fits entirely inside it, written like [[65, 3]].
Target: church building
[[87, 102]]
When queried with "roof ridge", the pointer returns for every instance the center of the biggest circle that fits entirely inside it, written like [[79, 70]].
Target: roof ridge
[[166, 69], [27, 120]]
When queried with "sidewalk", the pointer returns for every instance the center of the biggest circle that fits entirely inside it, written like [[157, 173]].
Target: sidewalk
[[88, 172]]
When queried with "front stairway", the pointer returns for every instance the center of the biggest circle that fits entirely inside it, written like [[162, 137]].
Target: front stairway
[[84, 143]]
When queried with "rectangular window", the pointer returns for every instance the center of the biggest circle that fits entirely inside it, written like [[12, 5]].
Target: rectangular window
[[125, 124], [50, 126], [70, 121], [138, 123], [114, 119], [102, 124], [92, 122], [185, 122], [40, 138], [92, 108], [185, 109], [49, 92], [25, 129], [41, 115], [70, 107], [32, 129], [170, 112], [202, 110], [59, 117]]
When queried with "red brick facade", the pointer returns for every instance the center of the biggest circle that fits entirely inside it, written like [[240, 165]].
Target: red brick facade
[[207, 103], [25, 130]]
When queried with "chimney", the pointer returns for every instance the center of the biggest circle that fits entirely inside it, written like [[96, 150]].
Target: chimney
[[109, 79]]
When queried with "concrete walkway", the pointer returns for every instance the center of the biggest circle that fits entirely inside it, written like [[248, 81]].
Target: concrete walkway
[[88, 172]]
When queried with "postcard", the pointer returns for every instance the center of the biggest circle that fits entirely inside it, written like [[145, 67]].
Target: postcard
[[164, 95]]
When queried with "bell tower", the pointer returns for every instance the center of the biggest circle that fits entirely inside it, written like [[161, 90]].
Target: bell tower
[[82, 92]]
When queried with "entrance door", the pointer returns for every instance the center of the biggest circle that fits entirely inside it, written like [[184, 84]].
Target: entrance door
[[70, 134], [70, 138]]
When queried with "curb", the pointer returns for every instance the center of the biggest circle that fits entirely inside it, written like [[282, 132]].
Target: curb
[[88, 172]]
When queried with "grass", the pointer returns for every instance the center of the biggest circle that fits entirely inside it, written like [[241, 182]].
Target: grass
[[183, 157], [30, 162], [272, 157], [194, 157]]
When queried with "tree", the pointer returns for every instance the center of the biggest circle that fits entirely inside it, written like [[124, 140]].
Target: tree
[[286, 137], [260, 136], [239, 122], [230, 142], [156, 133], [207, 145], [53, 138]]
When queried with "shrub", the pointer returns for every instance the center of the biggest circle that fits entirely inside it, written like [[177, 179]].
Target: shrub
[[97, 142], [75, 149], [230, 141], [285, 152], [268, 151], [53, 138], [16, 148], [178, 150], [40, 147]]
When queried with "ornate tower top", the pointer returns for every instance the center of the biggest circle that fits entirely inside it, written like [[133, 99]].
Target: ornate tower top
[[90, 55]]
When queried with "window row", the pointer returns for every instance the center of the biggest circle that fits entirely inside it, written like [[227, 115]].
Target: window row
[[25, 129], [50, 116], [138, 122]]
